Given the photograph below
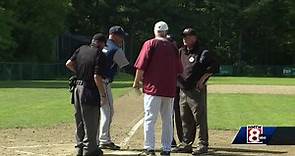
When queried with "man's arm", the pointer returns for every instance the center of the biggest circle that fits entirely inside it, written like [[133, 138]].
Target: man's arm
[[99, 68], [203, 80], [71, 65], [212, 68], [120, 59], [100, 87], [138, 79], [141, 64]]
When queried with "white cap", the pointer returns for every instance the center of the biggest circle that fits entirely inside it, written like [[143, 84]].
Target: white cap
[[161, 26]]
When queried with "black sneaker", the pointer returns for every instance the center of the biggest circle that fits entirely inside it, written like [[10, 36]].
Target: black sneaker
[[165, 153], [97, 152], [110, 146], [182, 148], [173, 144], [201, 149], [147, 153], [79, 152], [100, 152]]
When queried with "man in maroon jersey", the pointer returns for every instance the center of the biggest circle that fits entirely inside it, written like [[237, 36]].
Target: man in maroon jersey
[[158, 66]]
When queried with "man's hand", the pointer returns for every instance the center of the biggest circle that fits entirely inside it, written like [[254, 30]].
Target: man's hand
[[103, 100], [203, 80], [71, 65], [138, 79], [137, 84], [101, 89]]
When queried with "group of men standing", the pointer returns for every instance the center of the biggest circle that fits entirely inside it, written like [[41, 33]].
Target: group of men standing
[[95, 66], [175, 78], [173, 82]]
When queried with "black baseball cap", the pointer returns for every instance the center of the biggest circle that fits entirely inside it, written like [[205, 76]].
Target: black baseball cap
[[117, 30], [170, 37], [99, 37], [189, 32]]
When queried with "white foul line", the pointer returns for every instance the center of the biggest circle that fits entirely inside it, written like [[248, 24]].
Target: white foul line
[[35, 146], [131, 132]]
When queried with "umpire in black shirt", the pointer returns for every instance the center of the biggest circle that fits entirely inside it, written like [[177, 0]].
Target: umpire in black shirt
[[88, 63], [199, 64]]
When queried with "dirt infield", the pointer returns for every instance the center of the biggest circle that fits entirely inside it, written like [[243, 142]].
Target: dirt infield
[[59, 140]]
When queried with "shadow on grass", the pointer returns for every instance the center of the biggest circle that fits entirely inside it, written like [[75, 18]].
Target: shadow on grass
[[52, 84]]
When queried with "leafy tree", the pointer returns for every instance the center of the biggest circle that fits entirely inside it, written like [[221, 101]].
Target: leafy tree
[[30, 27], [7, 42]]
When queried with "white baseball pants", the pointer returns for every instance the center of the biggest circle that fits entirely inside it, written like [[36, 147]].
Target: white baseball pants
[[152, 106], [106, 117]]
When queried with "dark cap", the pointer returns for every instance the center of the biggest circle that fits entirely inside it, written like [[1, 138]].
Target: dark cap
[[117, 30], [189, 32], [170, 37], [99, 37]]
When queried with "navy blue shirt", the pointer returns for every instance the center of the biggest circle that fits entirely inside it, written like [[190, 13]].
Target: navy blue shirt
[[115, 59]]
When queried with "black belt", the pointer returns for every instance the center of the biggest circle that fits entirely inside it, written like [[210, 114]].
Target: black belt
[[86, 84], [79, 82]]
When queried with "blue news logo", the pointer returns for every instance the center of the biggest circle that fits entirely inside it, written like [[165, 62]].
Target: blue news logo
[[257, 134]]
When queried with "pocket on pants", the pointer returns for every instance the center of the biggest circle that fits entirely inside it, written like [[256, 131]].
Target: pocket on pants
[[90, 96]]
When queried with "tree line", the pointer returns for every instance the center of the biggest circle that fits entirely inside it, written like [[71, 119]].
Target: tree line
[[254, 32]]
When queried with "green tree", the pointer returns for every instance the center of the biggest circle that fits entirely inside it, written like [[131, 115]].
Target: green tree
[[29, 27], [39, 23], [7, 42], [241, 32]]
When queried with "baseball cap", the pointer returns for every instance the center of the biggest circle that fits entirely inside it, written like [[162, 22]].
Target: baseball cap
[[161, 26], [117, 30], [99, 37], [170, 37], [189, 32]]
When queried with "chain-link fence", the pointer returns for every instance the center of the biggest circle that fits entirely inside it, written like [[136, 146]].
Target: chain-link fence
[[34, 71], [258, 70]]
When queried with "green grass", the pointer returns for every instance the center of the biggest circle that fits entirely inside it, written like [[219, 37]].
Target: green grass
[[42, 103], [230, 111], [47, 103], [38, 107], [252, 81]]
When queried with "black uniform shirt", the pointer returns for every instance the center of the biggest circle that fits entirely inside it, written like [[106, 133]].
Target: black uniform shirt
[[196, 63], [89, 61]]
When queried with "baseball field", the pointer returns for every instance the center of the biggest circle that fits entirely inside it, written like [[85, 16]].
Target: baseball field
[[36, 117]]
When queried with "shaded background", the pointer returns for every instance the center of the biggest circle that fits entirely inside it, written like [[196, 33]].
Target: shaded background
[[250, 38]]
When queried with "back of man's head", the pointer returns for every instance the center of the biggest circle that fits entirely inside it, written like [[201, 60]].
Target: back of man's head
[[98, 39], [161, 29]]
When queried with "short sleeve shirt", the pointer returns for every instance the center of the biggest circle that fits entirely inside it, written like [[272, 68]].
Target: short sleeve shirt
[[115, 59], [196, 63], [89, 61], [161, 64]]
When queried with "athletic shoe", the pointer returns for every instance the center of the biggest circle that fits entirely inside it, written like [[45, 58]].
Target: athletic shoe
[[98, 152], [173, 144], [165, 153], [147, 153], [79, 152], [182, 148], [201, 149], [110, 146]]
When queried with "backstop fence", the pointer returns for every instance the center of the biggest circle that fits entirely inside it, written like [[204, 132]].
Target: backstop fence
[[43, 71]]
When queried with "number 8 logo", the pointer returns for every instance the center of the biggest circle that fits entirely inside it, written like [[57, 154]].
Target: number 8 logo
[[254, 135]]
